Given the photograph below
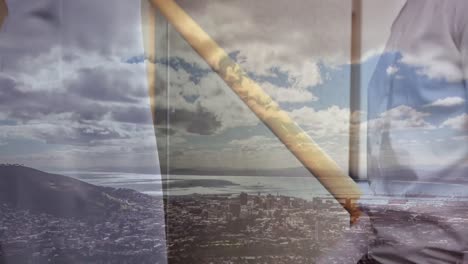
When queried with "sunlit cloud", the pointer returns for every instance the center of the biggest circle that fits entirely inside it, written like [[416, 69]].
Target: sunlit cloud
[[447, 102], [459, 123]]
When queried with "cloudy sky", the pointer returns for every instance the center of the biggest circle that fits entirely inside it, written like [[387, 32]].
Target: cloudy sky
[[70, 97], [286, 48], [74, 92]]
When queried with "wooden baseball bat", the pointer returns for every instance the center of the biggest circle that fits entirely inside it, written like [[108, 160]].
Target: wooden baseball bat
[[326, 170], [3, 12]]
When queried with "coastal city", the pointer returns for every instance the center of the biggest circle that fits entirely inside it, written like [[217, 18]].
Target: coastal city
[[249, 228], [41, 238], [70, 221], [266, 228], [129, 228]]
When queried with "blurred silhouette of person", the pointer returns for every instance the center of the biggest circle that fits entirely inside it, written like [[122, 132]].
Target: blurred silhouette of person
[[62, 66], [417, 142], [417, 103], [417, 135]]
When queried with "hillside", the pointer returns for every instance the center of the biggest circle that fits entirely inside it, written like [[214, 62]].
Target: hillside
[[30, 189], [49, 218]]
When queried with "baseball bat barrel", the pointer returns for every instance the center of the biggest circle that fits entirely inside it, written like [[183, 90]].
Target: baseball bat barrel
[[297, 141]]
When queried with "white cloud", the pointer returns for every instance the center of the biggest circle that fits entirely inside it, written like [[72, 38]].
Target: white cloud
[[447, 102], [288, 95], [424, 60], [401, 118], [303, 75], [458, 123], [391, 70], [330, 129], [333, 121]]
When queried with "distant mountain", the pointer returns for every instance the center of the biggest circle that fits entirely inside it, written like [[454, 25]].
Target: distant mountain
[[50, 218], [286, 172], [30, 189]]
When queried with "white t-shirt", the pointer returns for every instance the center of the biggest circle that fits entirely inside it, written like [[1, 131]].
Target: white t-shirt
[[418, 109], [418, 136]]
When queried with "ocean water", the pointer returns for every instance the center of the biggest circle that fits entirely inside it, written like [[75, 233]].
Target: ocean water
[[301, 187], [145, 183]]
